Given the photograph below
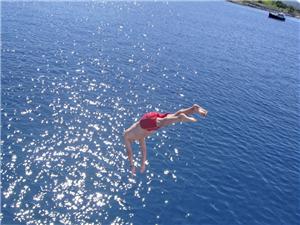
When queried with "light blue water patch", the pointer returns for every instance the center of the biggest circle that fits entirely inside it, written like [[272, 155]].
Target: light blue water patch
[[76, 75]]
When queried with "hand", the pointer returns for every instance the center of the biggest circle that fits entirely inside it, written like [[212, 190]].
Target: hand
[[143, 167], [133, 170]]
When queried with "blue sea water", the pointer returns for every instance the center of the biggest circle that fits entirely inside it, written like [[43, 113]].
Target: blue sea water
[[74, 76]]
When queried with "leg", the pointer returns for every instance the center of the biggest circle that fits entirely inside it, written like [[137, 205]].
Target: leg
[[144, 154], [129, 152], [194, 109], [172, 118], [187, 111]]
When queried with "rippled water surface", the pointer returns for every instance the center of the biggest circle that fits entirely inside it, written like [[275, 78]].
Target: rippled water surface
[[76, 75]]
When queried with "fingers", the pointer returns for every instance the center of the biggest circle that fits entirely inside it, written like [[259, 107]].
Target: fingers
[[133, 171], [143, 169]]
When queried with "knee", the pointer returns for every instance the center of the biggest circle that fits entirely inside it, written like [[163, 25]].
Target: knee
[[181, 117], [195, 106]]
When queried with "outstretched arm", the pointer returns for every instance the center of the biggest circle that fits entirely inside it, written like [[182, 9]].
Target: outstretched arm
[[129, 153], [144, 154]]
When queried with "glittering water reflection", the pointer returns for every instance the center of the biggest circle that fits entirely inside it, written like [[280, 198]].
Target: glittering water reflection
[[75, 75], [76, 164], [64, 159]]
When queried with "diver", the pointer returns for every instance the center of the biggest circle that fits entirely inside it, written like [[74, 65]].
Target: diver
[[152, 121]]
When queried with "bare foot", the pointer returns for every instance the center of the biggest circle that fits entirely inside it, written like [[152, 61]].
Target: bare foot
[[200, 110], [185, 118]]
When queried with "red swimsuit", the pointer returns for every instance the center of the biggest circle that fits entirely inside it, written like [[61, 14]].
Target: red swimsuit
[[148, 120]]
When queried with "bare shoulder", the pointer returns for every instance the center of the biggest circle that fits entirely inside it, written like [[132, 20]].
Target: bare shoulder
[[133, 129], [134, 126]]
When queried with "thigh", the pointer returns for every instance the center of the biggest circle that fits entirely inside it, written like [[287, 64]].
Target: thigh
[[171, 115]]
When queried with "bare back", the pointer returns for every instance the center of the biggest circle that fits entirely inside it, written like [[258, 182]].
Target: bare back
[[135, 132]]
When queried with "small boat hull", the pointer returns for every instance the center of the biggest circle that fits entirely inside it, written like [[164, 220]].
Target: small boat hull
[[276, 16]]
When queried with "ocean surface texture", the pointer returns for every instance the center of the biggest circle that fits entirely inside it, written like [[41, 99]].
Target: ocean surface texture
[[74, 76]]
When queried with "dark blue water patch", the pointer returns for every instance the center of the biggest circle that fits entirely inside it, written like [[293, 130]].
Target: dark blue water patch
[[75, 75]]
